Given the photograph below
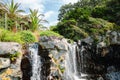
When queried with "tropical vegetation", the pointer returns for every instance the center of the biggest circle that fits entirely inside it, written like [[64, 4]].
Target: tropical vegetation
[[11, 19], [88, 18], [76, 21]]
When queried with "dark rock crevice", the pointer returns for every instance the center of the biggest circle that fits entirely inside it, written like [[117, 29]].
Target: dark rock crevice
[[98, 61], [46, 63], [26, 68]]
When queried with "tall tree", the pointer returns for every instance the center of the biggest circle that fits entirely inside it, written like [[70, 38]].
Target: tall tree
[[12, 10], [36, 19], [64, 9]]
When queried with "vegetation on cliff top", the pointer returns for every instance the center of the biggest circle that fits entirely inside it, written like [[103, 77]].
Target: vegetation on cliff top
[[20, 37], [23, 29], [76, 21], [49, 33], [12, 20], [88, 18]]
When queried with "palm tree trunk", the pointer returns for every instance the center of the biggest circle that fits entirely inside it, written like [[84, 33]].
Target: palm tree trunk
[[14, 28], [16, 25], [5, 20]]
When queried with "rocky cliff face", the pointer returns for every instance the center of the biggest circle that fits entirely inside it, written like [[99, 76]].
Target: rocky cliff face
[[10, 59], [52, 51], [99, 61], [55, 48]]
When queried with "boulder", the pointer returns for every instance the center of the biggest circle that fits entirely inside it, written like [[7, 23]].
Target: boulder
[[10, 63], [9, 48], [4, 63]]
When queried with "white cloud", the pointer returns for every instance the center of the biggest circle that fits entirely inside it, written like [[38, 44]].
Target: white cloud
[[53, 23], [48, 14], [33, 4], [69, 1]]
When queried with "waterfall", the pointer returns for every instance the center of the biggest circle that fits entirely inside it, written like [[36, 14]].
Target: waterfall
[[35, 62], [71, 71], [70, 64], [74, 63], [80, 61]]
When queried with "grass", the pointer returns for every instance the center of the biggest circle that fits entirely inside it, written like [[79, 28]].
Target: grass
[[19, 37], [49, 33], [24, 37]]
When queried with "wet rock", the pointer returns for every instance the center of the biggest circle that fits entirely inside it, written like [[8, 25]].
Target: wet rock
[[100, 78], [111, 69], [99, 61], [56, 49], [113, 76]]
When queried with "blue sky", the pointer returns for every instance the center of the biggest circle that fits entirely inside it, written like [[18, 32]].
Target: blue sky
[[49, 8]]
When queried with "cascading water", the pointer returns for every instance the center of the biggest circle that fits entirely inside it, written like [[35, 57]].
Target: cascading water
[[71, 64], [35, 62], [80, 58]]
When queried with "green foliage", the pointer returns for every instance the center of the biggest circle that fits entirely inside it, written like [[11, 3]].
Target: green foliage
[[27, 37], [11, 8], [88, 18], [12, 20], [110, 12], [102, 22], [14, 56], [11, 11], [49, 33], [97, 26], [63, 10], [35, 19], [20, 37], [7, 36], [98, 11], [69, 30], [78, 14]]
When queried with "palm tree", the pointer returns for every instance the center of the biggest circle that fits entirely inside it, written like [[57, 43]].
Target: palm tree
[[35, 19], [12, 10]]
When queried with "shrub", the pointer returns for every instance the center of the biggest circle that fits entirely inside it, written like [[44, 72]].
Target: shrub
[[8, 36], [20, 37], [12, 37], [69, 30], [2, 34], [27, 37]]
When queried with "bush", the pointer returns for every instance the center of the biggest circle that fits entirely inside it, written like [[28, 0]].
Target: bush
[[27, 37], [7, 36], [69, 30], [99, 26], [98, 12], [49, 33], [20, 37]]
